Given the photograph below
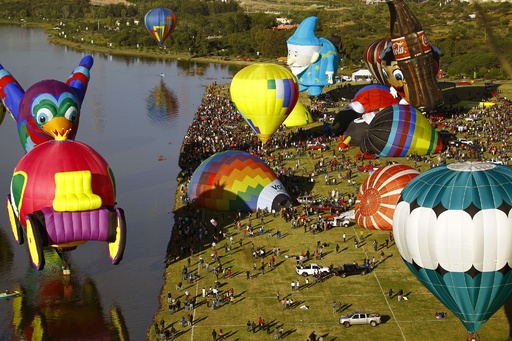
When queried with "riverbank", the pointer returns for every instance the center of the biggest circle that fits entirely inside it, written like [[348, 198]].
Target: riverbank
[[118, 51]]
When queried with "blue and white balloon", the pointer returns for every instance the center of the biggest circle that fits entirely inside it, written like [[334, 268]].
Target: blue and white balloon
[[453, 228]]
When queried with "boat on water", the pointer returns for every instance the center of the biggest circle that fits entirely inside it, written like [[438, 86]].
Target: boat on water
[[8, 294]]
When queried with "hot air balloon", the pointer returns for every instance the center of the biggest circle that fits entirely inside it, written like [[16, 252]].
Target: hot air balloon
[[314, 61], [63, 195], [400, 130], [452, 227], [235, 180], [378, 196], [372, 58], [265, 94], [48, 108], [369, 99], [299, 116], [375, 97], [160, 23]]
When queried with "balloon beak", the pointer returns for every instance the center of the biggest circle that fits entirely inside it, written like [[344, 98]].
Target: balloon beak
[[58, 128]]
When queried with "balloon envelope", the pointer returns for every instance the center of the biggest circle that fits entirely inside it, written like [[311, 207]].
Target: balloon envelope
[[265, 94], [298, 117], [37, 188], [375, 97], [378, 196], [235, 180], [160, 23], [452, 227], [400, 130], [63, 195], [372, 59]]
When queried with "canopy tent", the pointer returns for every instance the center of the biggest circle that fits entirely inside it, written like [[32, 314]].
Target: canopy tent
[[362, 75]]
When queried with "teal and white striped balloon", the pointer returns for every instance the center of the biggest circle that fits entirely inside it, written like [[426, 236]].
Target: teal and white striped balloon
[[453, 228]]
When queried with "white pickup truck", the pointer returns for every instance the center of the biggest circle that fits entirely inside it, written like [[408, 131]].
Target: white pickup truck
[[311, 269], [360, 317]]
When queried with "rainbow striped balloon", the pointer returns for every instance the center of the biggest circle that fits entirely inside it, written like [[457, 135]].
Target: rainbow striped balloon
[[234, 180]]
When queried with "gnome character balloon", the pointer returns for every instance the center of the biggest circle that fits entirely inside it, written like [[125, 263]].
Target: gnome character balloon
[[313, 60]]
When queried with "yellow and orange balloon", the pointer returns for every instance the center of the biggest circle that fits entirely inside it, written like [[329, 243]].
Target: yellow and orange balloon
[[265, 94]]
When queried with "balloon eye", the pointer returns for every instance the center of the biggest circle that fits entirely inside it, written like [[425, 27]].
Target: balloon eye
[[398, 75], [384, 73], [43, 116], [71, 114]]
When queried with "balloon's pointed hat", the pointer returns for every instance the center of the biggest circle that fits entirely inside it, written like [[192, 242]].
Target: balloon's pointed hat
[[305, 33]]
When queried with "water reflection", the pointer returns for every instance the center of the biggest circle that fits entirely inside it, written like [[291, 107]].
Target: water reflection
[[162, 103], [6, 254], [190, 68], [58, 307]]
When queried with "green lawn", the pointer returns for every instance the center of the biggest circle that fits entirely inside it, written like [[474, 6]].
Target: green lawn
[[406, 320]]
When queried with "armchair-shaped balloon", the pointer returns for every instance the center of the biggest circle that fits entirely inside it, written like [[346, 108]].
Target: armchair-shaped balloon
[[49, 108]]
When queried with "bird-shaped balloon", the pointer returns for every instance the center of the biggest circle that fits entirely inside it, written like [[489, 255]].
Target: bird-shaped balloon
[[49, 109]]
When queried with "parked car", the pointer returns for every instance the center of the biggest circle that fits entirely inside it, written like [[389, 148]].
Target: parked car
[[311, 269], [326, 208], [465, 141], [365, 156], [350, 269], [317, 146], [464, 82], [340, 221], [307, 199], [360, 317]]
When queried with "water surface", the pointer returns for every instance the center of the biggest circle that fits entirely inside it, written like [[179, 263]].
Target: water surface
[[135, 114]]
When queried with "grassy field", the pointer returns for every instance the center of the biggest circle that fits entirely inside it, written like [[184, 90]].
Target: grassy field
[[413, 319]]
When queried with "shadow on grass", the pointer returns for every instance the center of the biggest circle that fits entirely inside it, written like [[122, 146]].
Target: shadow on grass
[[288, 332], [326, 335], [508, 313], [199, 320], [228, 335], [384, 319], [344, 307]]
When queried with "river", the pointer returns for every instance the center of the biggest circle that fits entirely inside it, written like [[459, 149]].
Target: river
[[135, 114]]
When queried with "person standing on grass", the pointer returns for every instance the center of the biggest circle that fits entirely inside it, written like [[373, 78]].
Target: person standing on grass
[[214, 335]]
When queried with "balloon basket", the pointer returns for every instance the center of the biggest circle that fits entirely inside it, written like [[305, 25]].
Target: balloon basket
[[473, 337]]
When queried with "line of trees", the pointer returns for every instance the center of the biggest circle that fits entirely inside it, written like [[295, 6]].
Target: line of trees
[[462, 31]]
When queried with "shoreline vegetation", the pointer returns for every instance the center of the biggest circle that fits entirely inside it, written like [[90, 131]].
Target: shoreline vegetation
[[252, 289], [155, 54]]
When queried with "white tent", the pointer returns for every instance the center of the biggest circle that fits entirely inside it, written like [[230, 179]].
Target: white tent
[[362, 75]]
